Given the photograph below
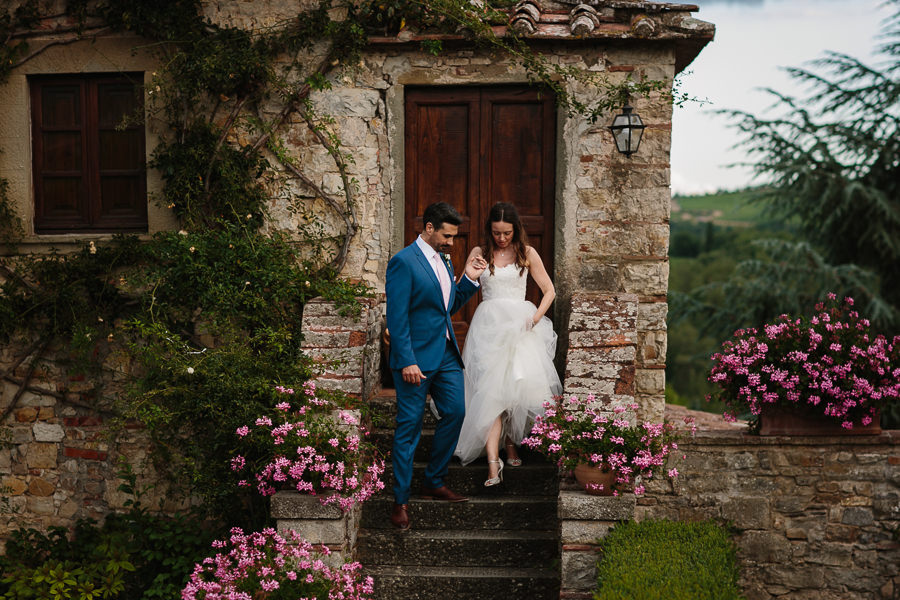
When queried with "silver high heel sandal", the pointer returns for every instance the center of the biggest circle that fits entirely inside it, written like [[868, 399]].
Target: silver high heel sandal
[[495, 480], [513, 462]]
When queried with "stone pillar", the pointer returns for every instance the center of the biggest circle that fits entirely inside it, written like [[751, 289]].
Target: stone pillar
[[346, 348], [650, 364], [320, 525], [584, 519], [600, 358], [617, 350]]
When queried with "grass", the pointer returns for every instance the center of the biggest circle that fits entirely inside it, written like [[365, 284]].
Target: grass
[[722, 208], [668, 560]]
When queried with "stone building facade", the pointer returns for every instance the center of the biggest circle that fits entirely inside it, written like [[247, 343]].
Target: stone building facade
[[609, 216]]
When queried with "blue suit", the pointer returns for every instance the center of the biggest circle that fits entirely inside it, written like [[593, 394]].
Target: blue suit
[[418, 323]]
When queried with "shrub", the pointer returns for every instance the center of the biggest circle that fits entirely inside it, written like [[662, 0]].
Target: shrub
[[667, 560], [219, 327], [133, 555], [828, 364], [39, 565], [264, 564]]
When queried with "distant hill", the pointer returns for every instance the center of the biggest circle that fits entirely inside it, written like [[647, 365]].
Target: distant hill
[[726, 209]]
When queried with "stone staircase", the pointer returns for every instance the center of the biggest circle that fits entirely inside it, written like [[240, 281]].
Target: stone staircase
[[502, 543]]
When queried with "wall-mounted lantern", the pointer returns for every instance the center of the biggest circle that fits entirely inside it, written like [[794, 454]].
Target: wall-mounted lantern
[[627, 129]]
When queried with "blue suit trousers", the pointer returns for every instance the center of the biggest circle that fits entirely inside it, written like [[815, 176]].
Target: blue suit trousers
[[445, 384]]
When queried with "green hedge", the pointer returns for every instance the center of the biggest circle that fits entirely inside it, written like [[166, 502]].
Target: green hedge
[[667, 560]]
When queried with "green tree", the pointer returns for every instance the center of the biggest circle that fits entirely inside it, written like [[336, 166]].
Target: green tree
[[831, 161]]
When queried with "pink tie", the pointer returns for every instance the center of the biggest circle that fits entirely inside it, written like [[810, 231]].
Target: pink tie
[[443, 278]]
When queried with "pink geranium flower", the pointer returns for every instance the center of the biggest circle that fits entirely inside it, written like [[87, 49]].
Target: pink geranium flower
[[313, 447], [573, 431], [268, 561], [828, 364]]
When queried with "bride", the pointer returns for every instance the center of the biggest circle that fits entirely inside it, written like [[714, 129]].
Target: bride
[[509, 348]]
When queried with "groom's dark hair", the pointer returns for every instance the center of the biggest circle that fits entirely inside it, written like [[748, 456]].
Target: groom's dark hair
[[439, 213]]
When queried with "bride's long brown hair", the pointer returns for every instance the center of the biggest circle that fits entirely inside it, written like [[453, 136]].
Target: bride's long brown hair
[[504, 212]]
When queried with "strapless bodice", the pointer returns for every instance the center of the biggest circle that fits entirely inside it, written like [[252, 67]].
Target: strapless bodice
[[504, 283]]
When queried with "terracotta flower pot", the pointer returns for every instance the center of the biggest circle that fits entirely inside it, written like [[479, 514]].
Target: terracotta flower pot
[[777, 420], [595, 480]]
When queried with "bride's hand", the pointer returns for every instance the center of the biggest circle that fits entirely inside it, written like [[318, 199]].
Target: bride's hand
[[529, 324], [475, 266]]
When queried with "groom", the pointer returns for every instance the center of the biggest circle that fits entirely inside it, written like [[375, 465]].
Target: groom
[[421, 297]]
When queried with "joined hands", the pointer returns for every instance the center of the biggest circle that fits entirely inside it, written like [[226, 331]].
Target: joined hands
[[475, 266]]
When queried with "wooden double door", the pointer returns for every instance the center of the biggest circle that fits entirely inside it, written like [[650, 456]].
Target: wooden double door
[[473, 147]]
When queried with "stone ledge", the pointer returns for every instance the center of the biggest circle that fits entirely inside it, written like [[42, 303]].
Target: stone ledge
[[578, 506], [320, 307], [623, 305], [740, 438], [292, 505], [584, 532]]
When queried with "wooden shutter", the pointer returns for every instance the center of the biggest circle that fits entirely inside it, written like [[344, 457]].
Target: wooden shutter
[[121, 182], [61, 173], [89, 169]]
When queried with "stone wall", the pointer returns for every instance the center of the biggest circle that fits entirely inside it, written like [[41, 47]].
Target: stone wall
[[814, 518], [58, 461], [58, 456]]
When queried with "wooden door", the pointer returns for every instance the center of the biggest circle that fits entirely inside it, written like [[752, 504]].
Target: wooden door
[[473, 147]]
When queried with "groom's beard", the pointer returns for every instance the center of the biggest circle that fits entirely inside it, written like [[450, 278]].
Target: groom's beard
[[444, 248]]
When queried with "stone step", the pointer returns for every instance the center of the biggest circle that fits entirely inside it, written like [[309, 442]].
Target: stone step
[[462, 548], [465, 583], [383, 407], [501, 544], [530, 479], [534, 513], [384, 439]]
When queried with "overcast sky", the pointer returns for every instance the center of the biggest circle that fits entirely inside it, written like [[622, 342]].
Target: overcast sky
[[753, 39]]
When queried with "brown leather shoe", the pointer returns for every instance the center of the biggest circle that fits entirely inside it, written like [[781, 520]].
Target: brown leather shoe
[[442, 493], [400, 516]]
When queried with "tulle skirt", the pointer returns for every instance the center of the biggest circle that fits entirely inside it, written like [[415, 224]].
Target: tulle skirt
[[508, 371]]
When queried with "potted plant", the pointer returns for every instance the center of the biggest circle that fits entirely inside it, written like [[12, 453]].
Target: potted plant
[[605, 451], [312, 445], [818, 375]]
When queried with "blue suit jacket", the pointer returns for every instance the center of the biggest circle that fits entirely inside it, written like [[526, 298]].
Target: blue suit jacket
[[416, 317]]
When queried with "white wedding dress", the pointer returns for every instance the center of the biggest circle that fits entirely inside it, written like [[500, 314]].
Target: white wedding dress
[[508, 369]]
